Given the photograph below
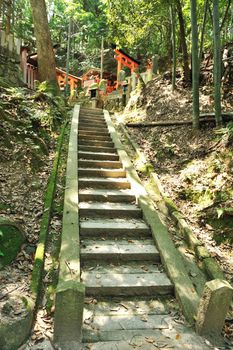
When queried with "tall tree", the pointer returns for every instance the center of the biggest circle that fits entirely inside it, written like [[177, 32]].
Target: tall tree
[[195, 64], [173, 26], [46, 58], [203, 30], [225, 15], [8, 17], [183, 41], [217, 64]]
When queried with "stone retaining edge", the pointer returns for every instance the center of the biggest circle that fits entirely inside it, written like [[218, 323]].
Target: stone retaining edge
[[171, 258], [167, 206], [70, 291], [45, 220]]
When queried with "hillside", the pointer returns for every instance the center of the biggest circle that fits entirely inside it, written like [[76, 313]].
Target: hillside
[[195, 169]]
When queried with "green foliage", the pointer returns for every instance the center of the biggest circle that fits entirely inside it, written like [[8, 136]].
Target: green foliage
[[226, 133], [47, 88], [140, 26]]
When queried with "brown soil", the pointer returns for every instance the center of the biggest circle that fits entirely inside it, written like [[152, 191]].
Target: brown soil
[[24, 171]]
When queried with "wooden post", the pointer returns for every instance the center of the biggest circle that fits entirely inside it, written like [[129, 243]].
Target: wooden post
[[23, 63], [213, 307], [119, 67]]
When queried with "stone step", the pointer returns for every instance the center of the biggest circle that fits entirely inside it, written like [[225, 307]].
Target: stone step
[[84, 136], [135, 339], [127, 284], [111, 210], [90, 172], [128, 306], [158, 332], [92, 120], [91, 115], [106, 164], [91, 123], [97, 143], [97, 155], [100, 149], [93, 132], [119, 250], [103, 195], [91, 111], [132, 267], [106, 183], [129, 322], [114, 228]]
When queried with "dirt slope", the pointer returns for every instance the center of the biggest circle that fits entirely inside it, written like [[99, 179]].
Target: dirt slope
[[196, 170]]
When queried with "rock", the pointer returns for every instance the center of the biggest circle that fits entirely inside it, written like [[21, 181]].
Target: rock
[[11, 240], [7, 309], [45, 345], [14, 331]]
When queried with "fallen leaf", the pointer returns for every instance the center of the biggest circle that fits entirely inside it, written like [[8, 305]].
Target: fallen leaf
[[150, 340], [144, 318]]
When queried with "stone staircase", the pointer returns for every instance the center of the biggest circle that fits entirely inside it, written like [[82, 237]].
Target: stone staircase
[[127, 290]]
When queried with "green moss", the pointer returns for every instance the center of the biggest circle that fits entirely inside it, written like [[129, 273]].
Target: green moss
[[171, 205], [223, 229], [204, 197], [48, 204], [213, 269], [4, 206], [145, 168], [11, 239]]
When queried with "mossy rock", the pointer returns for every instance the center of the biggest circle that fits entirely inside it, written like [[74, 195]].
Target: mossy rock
[[11, 240], [15, 331]]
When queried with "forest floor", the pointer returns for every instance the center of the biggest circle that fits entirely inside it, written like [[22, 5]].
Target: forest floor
[[29, 128], [195, 169]]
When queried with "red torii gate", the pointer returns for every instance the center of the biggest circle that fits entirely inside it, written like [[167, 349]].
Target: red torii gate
[[124, 60]]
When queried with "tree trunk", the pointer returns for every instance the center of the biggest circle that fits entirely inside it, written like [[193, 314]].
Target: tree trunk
[[225, 15], [217, 64], [68, 57], [1, 10], [183, 42], [13, 15], [210, 12], [203, 30], [46, 58], [8, 17], [195, 65], [173, 26]]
